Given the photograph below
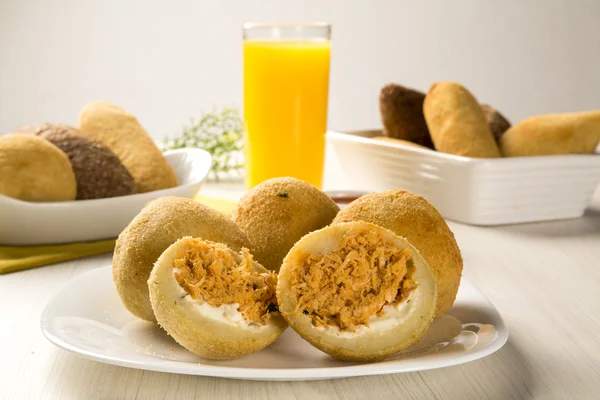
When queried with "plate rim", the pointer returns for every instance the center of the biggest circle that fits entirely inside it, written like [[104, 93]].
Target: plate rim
[[268, 374]]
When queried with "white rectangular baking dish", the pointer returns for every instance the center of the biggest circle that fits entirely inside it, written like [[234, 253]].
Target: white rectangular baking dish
[[470, 190]]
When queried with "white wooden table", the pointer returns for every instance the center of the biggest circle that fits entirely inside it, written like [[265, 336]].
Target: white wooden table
[[544, 278]]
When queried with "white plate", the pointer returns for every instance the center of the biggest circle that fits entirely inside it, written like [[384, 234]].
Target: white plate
[[87, 318], [24, 222], [474, 191]]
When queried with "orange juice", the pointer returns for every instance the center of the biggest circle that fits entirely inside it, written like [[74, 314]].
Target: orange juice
[[285, 109]]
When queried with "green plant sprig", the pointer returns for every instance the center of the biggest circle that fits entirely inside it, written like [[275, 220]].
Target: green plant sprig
[[220, 134]]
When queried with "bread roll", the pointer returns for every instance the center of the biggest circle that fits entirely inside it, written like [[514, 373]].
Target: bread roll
[[570, 133], [402, 114], [33, 169], [123, 134], [457, 123], [98, 171]]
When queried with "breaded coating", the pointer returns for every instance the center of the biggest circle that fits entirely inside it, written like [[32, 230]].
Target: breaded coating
[[414, 218], [123, 134], [277, 213], [402, 117], [33, 169], [457, 123], [98, 171], [569, 133], [155, 228]]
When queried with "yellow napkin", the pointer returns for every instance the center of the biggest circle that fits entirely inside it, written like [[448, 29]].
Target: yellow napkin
[[18, 258]]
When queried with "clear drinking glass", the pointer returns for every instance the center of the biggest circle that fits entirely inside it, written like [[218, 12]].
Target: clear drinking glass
[[286, 84]]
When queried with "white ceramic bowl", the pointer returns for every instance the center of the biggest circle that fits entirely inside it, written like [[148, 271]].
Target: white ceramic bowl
[[470, 190], [23, 222]]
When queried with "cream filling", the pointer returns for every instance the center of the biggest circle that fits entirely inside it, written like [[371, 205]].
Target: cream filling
[[225, 313], [393, 317]]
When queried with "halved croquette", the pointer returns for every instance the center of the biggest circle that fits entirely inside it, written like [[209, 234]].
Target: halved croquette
[[357, 291], [215, 302]]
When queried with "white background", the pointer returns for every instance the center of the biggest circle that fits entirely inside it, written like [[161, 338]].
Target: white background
[[165, 61]]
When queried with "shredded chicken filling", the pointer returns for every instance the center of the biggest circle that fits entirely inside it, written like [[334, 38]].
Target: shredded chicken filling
[[353, 282], [209, 271]]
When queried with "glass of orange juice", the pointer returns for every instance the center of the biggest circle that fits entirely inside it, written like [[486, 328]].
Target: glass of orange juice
[[286, 84]]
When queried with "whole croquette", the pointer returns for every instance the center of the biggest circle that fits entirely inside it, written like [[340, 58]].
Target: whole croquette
[[568, 133], [123, 134], [277, 213], [414, 218], [401, 111], [162, 222], [497, 122], [457, 123], [33, 169], [98, 171]]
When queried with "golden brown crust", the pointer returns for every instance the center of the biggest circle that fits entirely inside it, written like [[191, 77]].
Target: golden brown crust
[[33, 169], [155, 228], [569, 133], [457, 123], [414, 218], [123, 134], [402, 117], [277, 213]]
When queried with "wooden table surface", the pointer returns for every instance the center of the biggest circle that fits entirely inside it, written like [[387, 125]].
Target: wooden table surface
[[544, 279]]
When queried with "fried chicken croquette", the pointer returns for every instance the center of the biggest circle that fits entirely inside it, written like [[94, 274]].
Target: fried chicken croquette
[[215, 302], [162, 222], [357, 291], [277, 213]]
